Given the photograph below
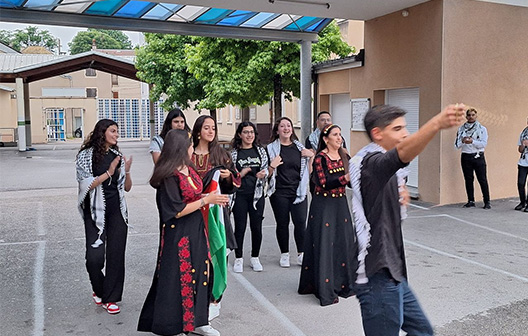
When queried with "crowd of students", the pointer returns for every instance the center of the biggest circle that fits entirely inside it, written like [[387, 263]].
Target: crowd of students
[[343, 249]]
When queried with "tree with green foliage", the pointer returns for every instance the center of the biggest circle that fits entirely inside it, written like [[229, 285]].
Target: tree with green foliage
[[30, 36], [231, 71], [247, 72], [104, 39], [162, 62]]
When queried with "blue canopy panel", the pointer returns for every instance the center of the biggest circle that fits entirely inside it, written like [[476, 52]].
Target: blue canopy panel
[[159, 11]]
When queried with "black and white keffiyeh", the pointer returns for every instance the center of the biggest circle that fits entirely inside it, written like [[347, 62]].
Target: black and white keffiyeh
[[314, 138], [261, 183], [522, 137], [85, 179], [473, 130], [360, 220], [274, 150]]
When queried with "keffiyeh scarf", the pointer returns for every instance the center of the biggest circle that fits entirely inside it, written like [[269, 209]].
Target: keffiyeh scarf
[[274, 150], [85, 179], [261, 183], [472, 130], [360, 220], [314, 138]]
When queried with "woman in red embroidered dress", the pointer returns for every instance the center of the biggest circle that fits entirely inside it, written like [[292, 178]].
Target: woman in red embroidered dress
[[179, 297], [330, 244]]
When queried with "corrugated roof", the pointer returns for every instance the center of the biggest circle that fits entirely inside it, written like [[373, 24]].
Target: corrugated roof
[[10, 63]]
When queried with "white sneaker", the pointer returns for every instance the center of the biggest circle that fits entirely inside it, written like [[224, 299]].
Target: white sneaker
[[206, 330], [300, 257], [238, 267], [256, 265], [214, 310], [285, 260]]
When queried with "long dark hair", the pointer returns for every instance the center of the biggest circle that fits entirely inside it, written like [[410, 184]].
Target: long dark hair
[[97, 140], [341, 151], [167, 124], [174, 155], [275, 131], [217, 155], [236, 143]]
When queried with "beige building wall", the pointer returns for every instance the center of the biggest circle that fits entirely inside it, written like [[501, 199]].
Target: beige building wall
[[453, 51], [485, 66], [400, 52]]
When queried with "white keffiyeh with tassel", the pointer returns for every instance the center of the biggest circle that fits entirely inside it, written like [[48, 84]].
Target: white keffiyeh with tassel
[[361, 223]]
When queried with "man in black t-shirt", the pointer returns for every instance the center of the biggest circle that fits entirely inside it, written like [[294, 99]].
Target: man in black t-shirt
[[379, 201]]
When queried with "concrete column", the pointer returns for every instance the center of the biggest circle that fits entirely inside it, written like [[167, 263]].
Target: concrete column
[[306, 89], [27, 115], [21, 119]]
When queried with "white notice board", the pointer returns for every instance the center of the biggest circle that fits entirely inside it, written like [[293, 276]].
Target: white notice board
[[359, 108]]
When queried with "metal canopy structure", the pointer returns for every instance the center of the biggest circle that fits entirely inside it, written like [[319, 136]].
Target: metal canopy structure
[[61, 65]]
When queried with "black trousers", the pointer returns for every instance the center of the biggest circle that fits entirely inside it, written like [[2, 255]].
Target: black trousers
[[108, 285], [471, 165], [243, 206], [522, 172], [282, 208]]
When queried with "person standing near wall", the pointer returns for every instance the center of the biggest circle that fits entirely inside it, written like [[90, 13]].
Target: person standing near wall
[[472, 138], [522, 169], [387, 302], [103, 174], [288, 185], [251, 160], [175, 120]]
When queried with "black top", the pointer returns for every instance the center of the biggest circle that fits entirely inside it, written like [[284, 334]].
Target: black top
[[109, 187], [289, 172], [248, 158], [379, 189]]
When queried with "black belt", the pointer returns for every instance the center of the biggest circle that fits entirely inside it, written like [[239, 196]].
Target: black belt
[[474, 155]]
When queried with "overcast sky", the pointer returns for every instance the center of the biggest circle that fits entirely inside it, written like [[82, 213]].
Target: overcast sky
[[65, 34]]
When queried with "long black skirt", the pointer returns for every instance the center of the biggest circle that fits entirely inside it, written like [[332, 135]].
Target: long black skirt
[[178, 300], [330, 250]]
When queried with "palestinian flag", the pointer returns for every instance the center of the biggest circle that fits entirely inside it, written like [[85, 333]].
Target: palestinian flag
[[214, 226]]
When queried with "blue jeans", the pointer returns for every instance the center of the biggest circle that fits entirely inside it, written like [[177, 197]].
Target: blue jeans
[[388, 306]]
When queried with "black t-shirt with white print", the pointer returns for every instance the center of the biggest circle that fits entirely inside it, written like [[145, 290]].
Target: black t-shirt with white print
[[248, 158]]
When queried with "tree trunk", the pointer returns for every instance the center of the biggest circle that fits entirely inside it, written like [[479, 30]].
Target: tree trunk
[[212, 113], [277, 97], [245, 114]]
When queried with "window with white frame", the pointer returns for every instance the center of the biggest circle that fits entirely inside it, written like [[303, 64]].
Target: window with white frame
[[219, 116], [229, 115], [237, 113]]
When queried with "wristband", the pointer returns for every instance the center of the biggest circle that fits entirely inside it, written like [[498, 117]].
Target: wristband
[[109, 176], [272, 167], [202, 202]]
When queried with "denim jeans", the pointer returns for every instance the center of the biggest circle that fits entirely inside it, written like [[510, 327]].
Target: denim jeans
[[388, 306]]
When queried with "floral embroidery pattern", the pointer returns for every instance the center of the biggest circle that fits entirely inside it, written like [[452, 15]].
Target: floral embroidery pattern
[[187, 292], [190, 186]]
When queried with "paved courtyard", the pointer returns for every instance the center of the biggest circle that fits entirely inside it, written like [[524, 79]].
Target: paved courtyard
[[468, 267]]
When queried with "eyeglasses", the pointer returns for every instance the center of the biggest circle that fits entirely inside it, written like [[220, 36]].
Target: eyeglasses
[[248, 132]]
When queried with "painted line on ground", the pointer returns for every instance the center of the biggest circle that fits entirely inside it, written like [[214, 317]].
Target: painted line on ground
[[511, 235], [38, 291], [254, 292], [419, 207], [469, 261]]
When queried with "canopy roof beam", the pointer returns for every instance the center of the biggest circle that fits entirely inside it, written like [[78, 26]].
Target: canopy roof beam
[[152, 26]]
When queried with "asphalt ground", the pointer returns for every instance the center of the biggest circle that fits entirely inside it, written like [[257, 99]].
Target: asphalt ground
[[468, 267]]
